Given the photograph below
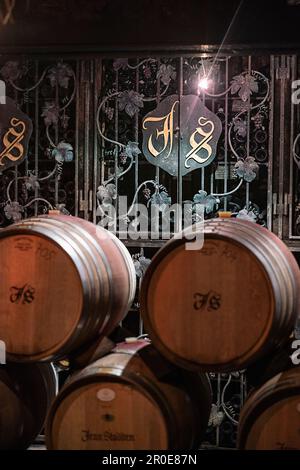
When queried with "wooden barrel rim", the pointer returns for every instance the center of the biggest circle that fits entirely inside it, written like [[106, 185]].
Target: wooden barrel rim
[[286, 272], [287, 267], [170, 246], [130, 268], [276, 276]]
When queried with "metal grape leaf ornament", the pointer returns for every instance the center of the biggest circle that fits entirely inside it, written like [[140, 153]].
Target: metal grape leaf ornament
[[197, 138], [15, 132]]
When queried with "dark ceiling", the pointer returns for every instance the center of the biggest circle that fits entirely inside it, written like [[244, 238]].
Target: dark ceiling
[[146, 24]]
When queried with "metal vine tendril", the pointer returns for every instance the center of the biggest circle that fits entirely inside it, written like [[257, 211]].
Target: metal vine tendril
[[10, 5], [251, 108], [56, 171], [295, 155], [33, 87], [119, 144], [144, 184], [223, 404], [58, 168], [122, 146], [62, 108]]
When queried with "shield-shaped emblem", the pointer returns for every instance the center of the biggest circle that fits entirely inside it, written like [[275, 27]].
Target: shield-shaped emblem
[[181, 132], [15, 132]]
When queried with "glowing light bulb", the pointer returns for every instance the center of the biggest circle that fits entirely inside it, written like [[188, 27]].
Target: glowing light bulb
[[203, 83]]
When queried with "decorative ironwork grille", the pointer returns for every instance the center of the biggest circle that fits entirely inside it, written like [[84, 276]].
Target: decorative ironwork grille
[[239, 95], [97, 107], [86, 149]]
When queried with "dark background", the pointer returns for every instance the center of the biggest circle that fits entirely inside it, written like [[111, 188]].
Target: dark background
[[149, 24]]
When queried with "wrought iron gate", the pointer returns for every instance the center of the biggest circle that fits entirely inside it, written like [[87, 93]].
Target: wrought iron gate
[[86, 148]]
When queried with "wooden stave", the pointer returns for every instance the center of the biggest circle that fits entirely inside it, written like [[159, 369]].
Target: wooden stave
[[283, 323], [288, 266], [33, 388], [284, 385], [249, 242], [283, 277], [125, 373], [269, 237], [88, 324], [289, 276], [280, 301]]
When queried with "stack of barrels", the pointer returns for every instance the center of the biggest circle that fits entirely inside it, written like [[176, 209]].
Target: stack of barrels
[[65, 282], [221, 307], [228, 306]]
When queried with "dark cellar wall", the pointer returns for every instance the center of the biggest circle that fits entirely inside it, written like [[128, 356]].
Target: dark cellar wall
[[121, 24]]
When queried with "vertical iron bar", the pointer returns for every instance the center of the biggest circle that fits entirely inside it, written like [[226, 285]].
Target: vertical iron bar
[[36, 134], [283, 64], [202, 179], [28, 113], [141, 323], [86, 140], [226, 172], [212, 182], [292, 136], [97, 88], [242, 389], [270, 148], [56, 139], [202, 171], [158, 100], [218, 407], [116, 146], [248, 131], [213, 110], [179, 178], [76, 157], [102, 162], [136, 132], [16, 185]]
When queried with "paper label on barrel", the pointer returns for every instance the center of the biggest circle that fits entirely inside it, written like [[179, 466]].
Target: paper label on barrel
[[106, 394]]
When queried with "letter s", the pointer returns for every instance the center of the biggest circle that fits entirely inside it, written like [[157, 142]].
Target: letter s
[[295, 357], [296, 94]]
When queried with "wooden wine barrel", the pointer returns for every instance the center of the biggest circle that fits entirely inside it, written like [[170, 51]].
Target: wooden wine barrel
[[26, 393], [129, 400], [270, 419], [221, 307], [64, 281]]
